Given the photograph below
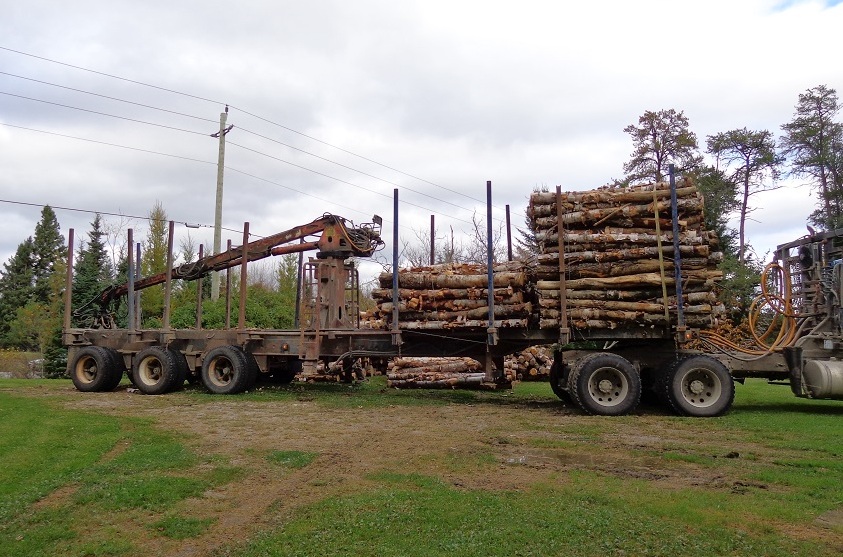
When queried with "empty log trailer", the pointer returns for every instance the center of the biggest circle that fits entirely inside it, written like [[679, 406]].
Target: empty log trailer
[[602, 369]]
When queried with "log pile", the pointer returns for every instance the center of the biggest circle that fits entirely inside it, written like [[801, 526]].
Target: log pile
[[531, 364], [611, 253], [436, 373], [453, 296]]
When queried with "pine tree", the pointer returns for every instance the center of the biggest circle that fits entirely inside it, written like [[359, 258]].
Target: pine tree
[[751, 159], [660, 138], [93, 274], [813, 145], [48, 251], [16, 286]]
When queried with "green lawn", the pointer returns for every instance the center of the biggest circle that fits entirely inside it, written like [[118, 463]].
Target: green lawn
[[84, 483]]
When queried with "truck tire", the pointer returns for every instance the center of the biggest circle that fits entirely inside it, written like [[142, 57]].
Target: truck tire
[[94, 369], [558, 381], [699, 386], [605, 384], [226, 371], [181, 370], [155, 370]]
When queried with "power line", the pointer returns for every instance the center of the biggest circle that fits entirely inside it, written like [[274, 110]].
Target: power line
[[123, 215], [214, 121], [102, 113], [108, 144], [148, 151], [109, 97], [356, 170], [244, 111], [337, 179], [355, 154], [110, 75]]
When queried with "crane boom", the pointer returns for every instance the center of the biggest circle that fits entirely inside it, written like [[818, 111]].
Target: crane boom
[[338, 237]]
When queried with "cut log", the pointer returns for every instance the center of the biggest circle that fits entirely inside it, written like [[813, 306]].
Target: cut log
[[424, 280]]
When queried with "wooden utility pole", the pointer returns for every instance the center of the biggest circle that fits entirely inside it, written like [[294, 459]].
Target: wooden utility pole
[[215, 276]]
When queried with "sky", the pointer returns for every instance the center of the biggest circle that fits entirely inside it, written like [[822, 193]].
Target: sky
[[335, 104]]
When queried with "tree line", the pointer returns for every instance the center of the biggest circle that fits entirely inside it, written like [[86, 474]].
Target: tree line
[[744, 163], [32, 284]]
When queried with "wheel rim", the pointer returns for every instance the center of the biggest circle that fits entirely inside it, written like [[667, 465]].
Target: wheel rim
[[86, 370], [150, 371], [221, 371], [608, 386], [701, 387]]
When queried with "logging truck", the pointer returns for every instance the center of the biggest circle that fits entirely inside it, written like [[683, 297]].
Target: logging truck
[[604, 371]]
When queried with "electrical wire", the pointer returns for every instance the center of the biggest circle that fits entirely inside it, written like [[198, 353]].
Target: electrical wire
[[103, 113], [244, 111], [278, 184], [123, 215], [356, 170], [267, 155], [108, 144], [111, 98]]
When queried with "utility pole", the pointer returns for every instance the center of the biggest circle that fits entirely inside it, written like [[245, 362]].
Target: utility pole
[[215, 277]]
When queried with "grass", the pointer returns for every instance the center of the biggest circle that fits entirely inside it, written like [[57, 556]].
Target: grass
[[81, 483], [409, 515], [291, 459], [781, 453], [182, 527], [75, 483]]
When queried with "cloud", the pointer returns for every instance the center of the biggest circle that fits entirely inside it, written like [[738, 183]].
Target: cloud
[[455, 93]]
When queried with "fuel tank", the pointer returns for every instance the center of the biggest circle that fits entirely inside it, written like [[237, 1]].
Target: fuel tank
[[823, 378]]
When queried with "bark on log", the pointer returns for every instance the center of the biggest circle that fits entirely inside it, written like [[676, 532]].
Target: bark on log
[[426, 361], [429, 281], [442, 293], [625, 282], [500, 311], [422, 304], [625, 213], [615, 196], [445, 325]]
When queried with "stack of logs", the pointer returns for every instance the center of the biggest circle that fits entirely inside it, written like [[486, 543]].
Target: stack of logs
[[531, 364], [452, 296], [436, 373], [611, 254]]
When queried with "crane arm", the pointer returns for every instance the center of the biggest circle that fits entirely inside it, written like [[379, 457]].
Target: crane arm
[[337, 237]]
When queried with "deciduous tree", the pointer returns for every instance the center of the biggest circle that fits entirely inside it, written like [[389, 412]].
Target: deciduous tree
[[155, 261]]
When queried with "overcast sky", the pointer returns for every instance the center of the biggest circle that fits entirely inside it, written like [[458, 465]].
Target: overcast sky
[[432, 97]]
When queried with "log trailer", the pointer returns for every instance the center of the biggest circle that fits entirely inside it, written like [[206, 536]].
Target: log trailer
[[799, 315]]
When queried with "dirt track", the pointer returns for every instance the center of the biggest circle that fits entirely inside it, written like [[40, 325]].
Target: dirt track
[[471, 445]]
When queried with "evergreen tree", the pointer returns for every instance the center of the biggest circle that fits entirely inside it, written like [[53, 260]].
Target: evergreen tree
[[48, 250], [93, 274], [16, 286], [751, 157], [721, 199], [813, 146], [527, 245], [659, 139]]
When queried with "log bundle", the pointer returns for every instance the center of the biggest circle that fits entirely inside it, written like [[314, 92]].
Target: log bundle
[[612, 238], [531, 364], [451, 296], [438, 373]]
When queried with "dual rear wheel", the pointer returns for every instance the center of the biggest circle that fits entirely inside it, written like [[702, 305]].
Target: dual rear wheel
[[607, 384]]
